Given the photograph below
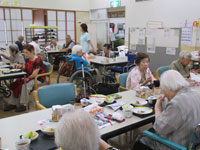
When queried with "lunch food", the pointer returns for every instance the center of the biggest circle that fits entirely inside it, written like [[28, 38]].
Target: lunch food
[[94, 110], [50, 129], [30, 135]]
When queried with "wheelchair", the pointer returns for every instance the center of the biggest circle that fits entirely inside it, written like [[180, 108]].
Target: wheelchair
[[81, 78]]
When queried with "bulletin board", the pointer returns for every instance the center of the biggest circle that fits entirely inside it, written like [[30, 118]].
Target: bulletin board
[[161, 44]]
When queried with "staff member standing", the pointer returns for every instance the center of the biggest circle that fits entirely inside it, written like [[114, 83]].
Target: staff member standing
[[85, 39]]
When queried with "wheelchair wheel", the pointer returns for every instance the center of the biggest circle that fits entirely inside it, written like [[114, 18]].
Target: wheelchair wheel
[[77, 79]]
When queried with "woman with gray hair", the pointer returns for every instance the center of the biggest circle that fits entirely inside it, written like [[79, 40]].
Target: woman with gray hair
[[15, 56], [180, 116], [78, 131], [181, 65]]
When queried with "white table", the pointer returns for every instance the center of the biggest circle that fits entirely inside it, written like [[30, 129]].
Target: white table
[[12, 127], [103, 61]]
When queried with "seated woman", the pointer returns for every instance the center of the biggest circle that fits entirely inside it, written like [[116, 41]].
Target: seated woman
[[141, 74], [77, 54], [15, 56], [82, 133], [181, 65], [107, 52], [33, 66], [181, 115]]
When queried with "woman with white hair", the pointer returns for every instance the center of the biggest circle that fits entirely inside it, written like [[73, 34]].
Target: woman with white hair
[[78, 131], [15, 55], [181, 65], [181, 115], [77, 54]]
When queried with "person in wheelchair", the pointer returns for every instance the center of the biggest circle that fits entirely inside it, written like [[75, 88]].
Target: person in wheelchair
[[77, 55], [15, 55]]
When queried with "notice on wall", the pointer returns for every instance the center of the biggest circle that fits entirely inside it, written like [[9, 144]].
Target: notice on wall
[[151, 49], [141, 37], [151, 46], [186, 36], [171, 51]]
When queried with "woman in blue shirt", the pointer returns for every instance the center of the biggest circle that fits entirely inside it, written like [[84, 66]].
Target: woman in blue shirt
[[85, 39]]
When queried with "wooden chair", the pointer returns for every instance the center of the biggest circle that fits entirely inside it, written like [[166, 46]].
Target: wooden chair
[[160, 71], [121, 79], [48, 73]]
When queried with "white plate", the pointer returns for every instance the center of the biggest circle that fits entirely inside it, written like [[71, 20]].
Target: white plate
[[32, 139], [141, 103], [99, 101], [142, 110], [45, 127]]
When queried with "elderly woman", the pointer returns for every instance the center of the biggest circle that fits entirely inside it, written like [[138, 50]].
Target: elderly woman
[[77, 54], [181, 65], [107, 52], [33, 66], [78, 131], [15, 56], [141, 74], [181, 115]]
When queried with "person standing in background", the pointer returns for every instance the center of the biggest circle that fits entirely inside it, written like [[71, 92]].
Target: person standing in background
[[35, 44], [19, 43], [85, 39]]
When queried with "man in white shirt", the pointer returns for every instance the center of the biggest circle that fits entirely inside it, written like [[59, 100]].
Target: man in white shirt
[[36, 45]]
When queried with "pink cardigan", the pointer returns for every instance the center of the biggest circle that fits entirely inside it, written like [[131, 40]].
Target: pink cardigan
[[135, 76]]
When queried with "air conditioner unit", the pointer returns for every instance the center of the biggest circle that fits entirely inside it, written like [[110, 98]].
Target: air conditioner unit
[[141, 0]]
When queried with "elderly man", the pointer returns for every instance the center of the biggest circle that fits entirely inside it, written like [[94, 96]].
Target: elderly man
[[19, 42], [15, 56], [68, 45], [54, 45], [78, 131], [181, 65], [181, 115]]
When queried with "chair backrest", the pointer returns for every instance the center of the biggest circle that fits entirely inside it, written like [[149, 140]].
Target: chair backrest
[[162, 69], [47, 67], [131, 57], [122, 79], [56, 94]]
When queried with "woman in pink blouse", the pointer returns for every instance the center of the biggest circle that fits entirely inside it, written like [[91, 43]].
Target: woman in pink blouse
[[141, 74]]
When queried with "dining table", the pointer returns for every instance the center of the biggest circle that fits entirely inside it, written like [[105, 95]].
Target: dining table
[[12, 127]]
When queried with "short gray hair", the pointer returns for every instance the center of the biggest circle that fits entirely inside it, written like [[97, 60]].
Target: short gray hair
[[172, 80], [77, 131], [76, 49], [14, 48], [68, 36], [185, 54]]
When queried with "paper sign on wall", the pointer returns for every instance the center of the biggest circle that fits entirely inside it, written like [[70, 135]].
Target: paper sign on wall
[[171, 51], [151, 49]]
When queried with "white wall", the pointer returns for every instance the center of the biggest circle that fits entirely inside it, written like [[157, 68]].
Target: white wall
[[81, 5], [170, 12]]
